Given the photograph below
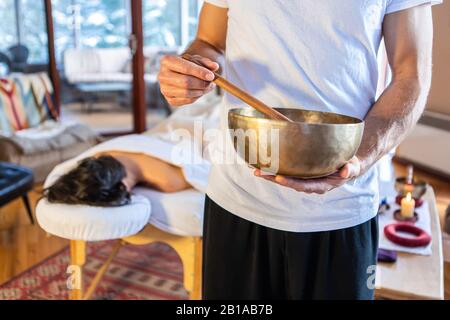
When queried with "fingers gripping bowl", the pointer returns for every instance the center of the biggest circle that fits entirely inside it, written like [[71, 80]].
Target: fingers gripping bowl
[[315, 144]]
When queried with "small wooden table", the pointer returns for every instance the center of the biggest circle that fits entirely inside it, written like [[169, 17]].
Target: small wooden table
[[415, 276]]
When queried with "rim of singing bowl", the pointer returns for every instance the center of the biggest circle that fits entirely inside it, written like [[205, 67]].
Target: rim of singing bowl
[[420, 186], [236, 112]]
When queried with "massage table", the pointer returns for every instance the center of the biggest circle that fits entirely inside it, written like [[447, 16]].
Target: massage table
[[172, 218], [152, 216]]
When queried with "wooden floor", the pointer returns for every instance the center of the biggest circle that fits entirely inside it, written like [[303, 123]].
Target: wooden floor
[[22, 245]]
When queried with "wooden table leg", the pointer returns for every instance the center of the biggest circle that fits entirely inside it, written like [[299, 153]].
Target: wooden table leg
[[100, 273], [196, 294], [77, 260]]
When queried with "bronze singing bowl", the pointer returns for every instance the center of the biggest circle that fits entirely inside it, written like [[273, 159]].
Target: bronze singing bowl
[[316, 144]]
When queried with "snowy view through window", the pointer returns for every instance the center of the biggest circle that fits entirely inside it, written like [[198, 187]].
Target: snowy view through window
[[94, 24]]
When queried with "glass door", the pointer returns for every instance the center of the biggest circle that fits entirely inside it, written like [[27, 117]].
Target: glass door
[[95, 63], [168, 27], [24, 60], [23, 35]]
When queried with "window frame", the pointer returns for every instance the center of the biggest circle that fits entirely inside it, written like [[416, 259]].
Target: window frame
[[76, 33]]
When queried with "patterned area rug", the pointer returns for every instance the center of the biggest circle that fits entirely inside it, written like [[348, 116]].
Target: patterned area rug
[[138, 272]]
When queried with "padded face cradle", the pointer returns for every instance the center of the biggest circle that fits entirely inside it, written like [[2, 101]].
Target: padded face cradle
[[421, 237], [178, 213], [88, 223]]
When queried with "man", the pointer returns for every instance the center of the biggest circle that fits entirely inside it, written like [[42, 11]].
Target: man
[[280, 237]]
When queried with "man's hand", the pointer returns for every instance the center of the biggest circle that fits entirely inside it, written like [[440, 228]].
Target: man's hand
[[350, 170], [183, 82]]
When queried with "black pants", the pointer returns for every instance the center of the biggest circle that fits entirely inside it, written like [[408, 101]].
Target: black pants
[[244, 260]]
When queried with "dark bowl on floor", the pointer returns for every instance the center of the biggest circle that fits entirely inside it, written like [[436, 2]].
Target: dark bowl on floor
[[420, 187]]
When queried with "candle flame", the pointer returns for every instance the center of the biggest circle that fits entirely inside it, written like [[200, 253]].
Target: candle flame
[[408, 196]]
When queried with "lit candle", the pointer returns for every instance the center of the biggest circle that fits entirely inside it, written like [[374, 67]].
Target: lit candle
[[408, 205]]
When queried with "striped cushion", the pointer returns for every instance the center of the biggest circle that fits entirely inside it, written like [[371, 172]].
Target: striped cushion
[[42, 89], [25, 102], [29, 105], [12, 107]]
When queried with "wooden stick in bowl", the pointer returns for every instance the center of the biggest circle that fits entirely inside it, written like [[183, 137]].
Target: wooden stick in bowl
[[270, 112]]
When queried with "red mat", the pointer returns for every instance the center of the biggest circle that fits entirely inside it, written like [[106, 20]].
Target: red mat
[[138, 272]]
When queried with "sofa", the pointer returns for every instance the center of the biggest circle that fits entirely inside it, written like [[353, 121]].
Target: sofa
[[88, 72], [96, 65], [30, 131]]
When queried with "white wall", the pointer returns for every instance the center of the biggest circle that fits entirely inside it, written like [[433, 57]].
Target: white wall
[[428, 146]]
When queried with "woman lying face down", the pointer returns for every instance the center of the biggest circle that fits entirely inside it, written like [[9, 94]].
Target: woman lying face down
[[106, 179]]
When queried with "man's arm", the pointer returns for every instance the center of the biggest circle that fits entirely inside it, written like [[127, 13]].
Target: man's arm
[[183, 82], [211, 34], [408, 37]]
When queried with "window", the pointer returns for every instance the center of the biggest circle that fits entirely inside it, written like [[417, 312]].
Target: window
[[169, 23], [29, 29], [103, 23], [162, 22], [63, 25], [90, 24], [8, 35], [95, 24], [33, 30], [194, 8]]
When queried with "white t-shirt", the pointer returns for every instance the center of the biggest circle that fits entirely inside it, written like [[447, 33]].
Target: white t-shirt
[[319, 55]]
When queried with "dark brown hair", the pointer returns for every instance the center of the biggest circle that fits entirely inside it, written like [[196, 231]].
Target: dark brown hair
[[95, 181]]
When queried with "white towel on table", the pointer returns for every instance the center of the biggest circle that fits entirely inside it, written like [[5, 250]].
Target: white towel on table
[[178, 140]]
